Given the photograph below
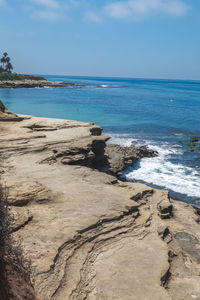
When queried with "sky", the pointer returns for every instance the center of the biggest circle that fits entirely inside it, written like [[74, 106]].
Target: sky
[[111, 38]]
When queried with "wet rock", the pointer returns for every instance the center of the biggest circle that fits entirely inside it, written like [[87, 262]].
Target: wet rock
[[119, 158], [31, 83]]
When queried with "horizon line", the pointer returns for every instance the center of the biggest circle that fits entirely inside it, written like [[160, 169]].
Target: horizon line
[[113, 77]]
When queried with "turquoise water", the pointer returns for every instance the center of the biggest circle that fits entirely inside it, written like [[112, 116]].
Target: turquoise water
[[162, 114]]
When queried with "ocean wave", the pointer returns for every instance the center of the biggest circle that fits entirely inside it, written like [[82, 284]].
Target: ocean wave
[[40, 88], [108, 86], [122, 139], [126, 140], [160, 171], [163, 173], [104, 85]]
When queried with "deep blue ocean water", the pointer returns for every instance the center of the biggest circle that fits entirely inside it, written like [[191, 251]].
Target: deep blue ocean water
[[162, 114]]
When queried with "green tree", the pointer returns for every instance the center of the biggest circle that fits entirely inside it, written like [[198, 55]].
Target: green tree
[[6, 66], [3, 59], [9, 67]]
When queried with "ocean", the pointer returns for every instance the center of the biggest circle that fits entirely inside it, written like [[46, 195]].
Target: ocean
[[161, 114]]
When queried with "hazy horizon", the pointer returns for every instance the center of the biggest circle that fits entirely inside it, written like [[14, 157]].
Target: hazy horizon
[[114, 77]]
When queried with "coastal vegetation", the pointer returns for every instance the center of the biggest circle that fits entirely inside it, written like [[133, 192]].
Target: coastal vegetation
[[6, 69], [4, 225], [13, 77], [14, 268]]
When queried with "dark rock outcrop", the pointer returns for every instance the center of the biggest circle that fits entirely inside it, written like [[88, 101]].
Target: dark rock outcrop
[[27, 83], [118, 158]]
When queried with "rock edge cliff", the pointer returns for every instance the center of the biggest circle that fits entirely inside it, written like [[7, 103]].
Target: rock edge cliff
[[87, 234]]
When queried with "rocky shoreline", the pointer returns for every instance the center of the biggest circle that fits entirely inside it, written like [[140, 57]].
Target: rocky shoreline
[[31, 83], [119, 158], [87, 234]]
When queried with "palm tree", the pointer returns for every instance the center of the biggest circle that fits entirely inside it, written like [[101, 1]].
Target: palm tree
[[3, 62], [7, 59], [6, 66], [3, 59], [9, 67]]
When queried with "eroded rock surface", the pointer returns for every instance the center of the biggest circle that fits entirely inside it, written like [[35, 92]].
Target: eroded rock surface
[[87, 234]]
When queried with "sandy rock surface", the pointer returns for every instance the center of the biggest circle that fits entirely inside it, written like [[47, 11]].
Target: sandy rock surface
[[87, 234]]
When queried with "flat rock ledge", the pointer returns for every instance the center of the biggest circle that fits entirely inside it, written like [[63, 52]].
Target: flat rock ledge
[[87, 234], [31, 83]]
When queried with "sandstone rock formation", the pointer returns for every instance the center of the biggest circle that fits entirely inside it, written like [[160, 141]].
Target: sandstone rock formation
[[6, 115], [87, 234], [15, 281]]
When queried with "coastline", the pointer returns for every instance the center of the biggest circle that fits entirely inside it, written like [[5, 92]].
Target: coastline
[[71, 218], [130, 115], [16, 84]]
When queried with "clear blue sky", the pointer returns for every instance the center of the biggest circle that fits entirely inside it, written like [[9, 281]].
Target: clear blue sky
[[123, 38]]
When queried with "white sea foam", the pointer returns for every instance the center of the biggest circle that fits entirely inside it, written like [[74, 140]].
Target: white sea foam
[[104, 85], [44, 87], [122, 140], [107, 86], [161, 171]]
